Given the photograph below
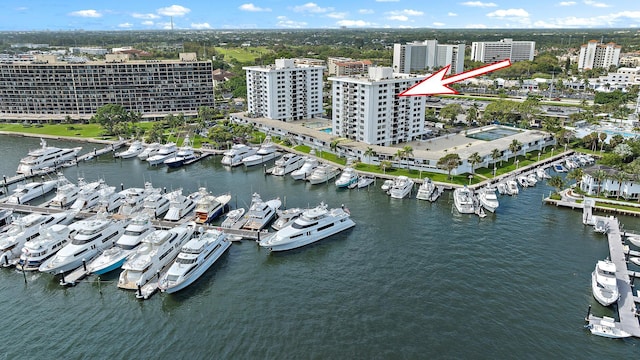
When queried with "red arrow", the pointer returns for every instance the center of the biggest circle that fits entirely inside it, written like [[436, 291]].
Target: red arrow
[[435, 84]]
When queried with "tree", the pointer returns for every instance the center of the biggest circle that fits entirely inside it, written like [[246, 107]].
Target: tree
[[399, 155], [621, 177], [407, 152], [556, 182], [514, 147], [474, 159], [109, 115], [602, 137], [449, 162], [599, 176], [495, 155], [369, 153], [451, 111], [384, 165], [472, 115], [576, 175]]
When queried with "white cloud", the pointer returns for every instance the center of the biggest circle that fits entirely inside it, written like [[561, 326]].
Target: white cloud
[[476, 26], [365, 11], [438, 24], [86, 13], [567, 3], [509, 13], [252, 8], [611, 20], [22, 8], [167, 25], [174, 10], [125, 25], [596, 4], [147, 23], [311, 8], [403, 15], [203, 25], [145, 16], [337, 15], [452, 14], [478, 4], [285, 22], [354, 23], [398, 17]]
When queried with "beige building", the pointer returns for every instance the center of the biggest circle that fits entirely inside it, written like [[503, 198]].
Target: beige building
[[341, 66], [595, 55]]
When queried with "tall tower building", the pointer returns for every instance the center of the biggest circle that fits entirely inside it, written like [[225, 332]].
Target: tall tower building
[[595, 55], [492, 51], [427, 55]]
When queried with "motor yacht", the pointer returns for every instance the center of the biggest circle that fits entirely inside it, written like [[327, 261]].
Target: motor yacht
[[24, 193], [502, 188], [109, 200], [606, 327], [6, 217], [135, 149], [266, 152], [542, 173], [425, 190], [603, 283], [195, 257], [149, 150], [46, 156], [488, 199], [179, 205], [347, 178], [386, 185], [93, 235], [155, 205], [287, 163], [155, 253], [66, 194], [113, 257], [322, 174], [233, 217], [512, 187], [365, 181], [234, 156], [184, 154], [260, 213], [88, 196], [463, 200], [401, 187], [133, 199], [313, 225], [522, 181], [307, 168], [532, 179], [166, 151], [285, 217], [209, 207], [39, 249]]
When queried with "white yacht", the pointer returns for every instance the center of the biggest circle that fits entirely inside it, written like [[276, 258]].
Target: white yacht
[[502, 188], [260, 213], [27, 228], [93, 235], [522, 181], [166, 151], [209, 207], [488, 199], [24, 193], [135, 149], [287, 163], [532, 179], [6, 217], [45, 156], [347, 178], [322, 174], [109, 200], [512, 187], [463, 199], [179, 205], [88, 196], [285, 217], [184, 153], [66, 194], [113, 257], [386, 185], [195, 257], [313, 225], [603, 283], [155, 205], [306, 169], [233, 217], [149, 150], [156, 252], [365, 181], [266, 152], [133, 199], [542, 173], [426, 190], [401, 187], [39, 249], [606, 327], [234, 156]]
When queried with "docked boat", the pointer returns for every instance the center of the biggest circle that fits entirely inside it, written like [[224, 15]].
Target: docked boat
[[234, 156], [133, 199], [289, 162], [313, 225], [149, 150], [502, 188], [24, 193], [425, 190], [285, 217], [155, 253], [184, 154], [135, 149], [166, 151], [260, 213], [606, 327], [267, 151], [155, 205], [365, 181], [46, 156], [635, 260], [347, 178], [634, 240], [542, 174], [310, 164], [195, 257], [88, 196], [322, 174], [209, 207], [532, 179], [559, 168], [401, 187], [93, 235], [113, 257], [512, 187], [37, 250], [522, 181], [488, 199], [601, 226], [463, 200], [66, 194], [6, 217], [386, 185], [233, 217], [109, 200], [179, 205], [603, 283]]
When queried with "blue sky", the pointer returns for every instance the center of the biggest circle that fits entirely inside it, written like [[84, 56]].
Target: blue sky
[[294, 14]]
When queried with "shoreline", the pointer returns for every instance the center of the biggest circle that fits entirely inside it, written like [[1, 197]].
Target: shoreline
[[57, 137]]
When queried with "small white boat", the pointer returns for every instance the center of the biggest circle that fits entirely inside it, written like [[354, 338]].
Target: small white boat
[[322, 174], [149, 150], [232, 218], [606, 327], [179, 205], [234, 156], [365, 181], [66, 194], [386, 185], [425, 190], [542, 173], [39, 249], [601, 226], [512, 187], [559, 168], [532, 180], [635, 260], [310, 164], [463, 200], [24, 193], [634, 240], [502, 188], [488, 199], [401, 187], [266, 152], [287, 163], [135, 149], [604, 284], [522, 181]]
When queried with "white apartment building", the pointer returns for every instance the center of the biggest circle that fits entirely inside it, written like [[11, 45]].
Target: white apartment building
[[623, 78], [368, 109], [427, 55], [284, 91], [595, 55], [492, 51]]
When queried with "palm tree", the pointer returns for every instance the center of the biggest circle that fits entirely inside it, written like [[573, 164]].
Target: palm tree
[[384, 165], [369, 153], [556, 182], [576, 174], [514, 147], [474, 159], [599, 176], [621, 177], [399, 156], [449, 162], [495, 154], [602, 137], [407, 152]]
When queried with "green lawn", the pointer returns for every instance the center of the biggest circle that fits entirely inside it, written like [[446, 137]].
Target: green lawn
[[243, 55], [78, 130]]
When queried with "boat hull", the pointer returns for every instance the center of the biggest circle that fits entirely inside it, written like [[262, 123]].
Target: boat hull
[[197, 273], [308, 239]]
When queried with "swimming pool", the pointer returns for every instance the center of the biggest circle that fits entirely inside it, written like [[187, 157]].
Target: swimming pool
[[493, 134], [327, 130]]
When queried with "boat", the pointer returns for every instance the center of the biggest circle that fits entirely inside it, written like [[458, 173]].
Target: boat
[[156, 252], [488, 199], [347, 178], [559, 168], [425, 190], [6, 217], [179, 205], [512, 187], [542, 174], [463, 200], [287, 163], [522, 181], [66, 194], [45, 157], [635, 260], [634, 240], [113, 257], [480, 212], [365, 181], [502, 188], [284, 217], [313, 225], [266, 152], [306, 169], [184, 154], [386, 185], [209, 207], [194, 259], [233, 217], [24, 193], [601, 226], [532, 179], [401, 187], [606, 327], [260, 213], [234, 156], [88, 195], [166, 151], [93, 235], [135, 149], [323, 173], [155, 205], [603, 283], [109, 200], [37, 250], [149, 150], [133, 199], [27, 228]]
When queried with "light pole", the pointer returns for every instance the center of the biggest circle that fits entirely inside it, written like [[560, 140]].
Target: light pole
[[565, 147], [470, 177], [517, 162], [538, 156], [494, 169]]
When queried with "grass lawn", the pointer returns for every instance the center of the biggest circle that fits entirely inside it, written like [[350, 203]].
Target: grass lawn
[[243, 55], [78, 130]]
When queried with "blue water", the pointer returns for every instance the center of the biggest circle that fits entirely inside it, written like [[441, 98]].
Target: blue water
[[493, 134], [327, 130]]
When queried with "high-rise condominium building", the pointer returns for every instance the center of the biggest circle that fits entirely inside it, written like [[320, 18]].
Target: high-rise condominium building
[[427, 55], [284, 91], [492, 51], [595, 55], [368, 108]]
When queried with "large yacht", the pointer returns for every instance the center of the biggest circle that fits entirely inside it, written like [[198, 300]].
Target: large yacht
[[66, 194], [307, 168], [166, 151], [195, 257], [27, 192], [39, 249], [184, 153], [266, 152], [179, 205], [109, 200], [93, 235], [234, 156], [323, 173], [88, 196], [149, 150], [463, 199], [287, 163], [157, 251], [234, 219], [401, 187], [426, 190], [347, 178], [488, 199], [135, 149], [604, 284], [285, 217], [209, 207], [260, 213], [155, 205], [133, 199], [6, 217], [313, 225], [45, 156]]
